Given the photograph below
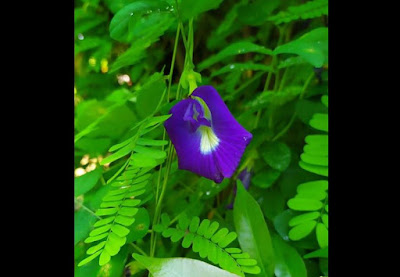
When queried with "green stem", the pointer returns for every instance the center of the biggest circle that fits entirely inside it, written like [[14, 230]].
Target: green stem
[[171, 71], [157, 212], [257, 118], [266, 85], [86, 208], [138, 249], [245, 84], [283, 79], [286, 128]]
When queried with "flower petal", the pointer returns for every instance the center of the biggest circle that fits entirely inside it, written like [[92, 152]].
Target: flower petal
[[233, 137], [211, 148], [187, 144]]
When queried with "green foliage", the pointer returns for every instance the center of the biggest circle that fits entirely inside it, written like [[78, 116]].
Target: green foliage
[[120, 205], [241, 47], [86, 182], [253, 233], [192, 8], [134, 60], [312, 47], [122, 26], [315, 155], [310, 9], [288, 260], [210, 242], [312, 197]]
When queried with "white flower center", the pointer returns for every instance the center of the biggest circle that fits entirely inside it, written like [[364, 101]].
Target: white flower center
[[209, 141]]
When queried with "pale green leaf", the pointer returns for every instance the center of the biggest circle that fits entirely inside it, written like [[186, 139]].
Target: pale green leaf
[[174, 267]]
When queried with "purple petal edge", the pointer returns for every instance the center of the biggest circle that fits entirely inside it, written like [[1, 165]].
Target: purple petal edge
[[182, 128]]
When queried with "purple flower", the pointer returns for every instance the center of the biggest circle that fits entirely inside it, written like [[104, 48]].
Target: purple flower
[[207, 138]]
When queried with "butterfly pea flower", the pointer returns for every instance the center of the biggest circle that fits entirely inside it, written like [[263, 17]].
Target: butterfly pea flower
[[207, 138]]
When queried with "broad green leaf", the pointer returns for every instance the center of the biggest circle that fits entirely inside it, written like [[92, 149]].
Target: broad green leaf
[[241, 67], [272, 202], [288, 262], [323, 265], [139, 228], [192, 8], [86, 182], [322, 235], [312, 47], [277, 155], [133, 55], [83, 222], [236, 48], [274, 98], [266, 178], [100, 119], [252, 230], [291, 61], [174, 267], [86, 20], [256, 12], [131, 15], [150, 94], [302, 230], [93, 147], [137, 51], [281, 223], [227, 27]]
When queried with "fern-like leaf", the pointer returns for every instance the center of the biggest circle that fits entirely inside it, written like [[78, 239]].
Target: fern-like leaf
[[210, 242], [120, 204], [315, 155], [312, 197], [307, 10]]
